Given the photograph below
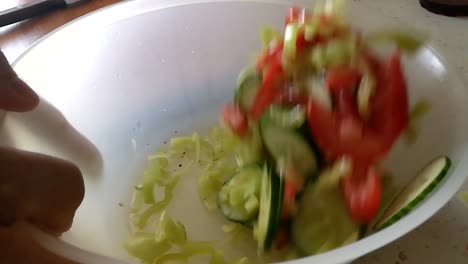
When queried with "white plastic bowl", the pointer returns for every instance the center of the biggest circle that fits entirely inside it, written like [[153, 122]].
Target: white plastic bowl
[[129, 76]]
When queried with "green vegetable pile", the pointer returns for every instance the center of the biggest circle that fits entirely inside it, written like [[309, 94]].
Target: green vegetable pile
[[156, 238]]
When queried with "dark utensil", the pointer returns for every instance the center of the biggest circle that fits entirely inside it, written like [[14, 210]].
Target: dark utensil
[[446, 7], [27, 11]]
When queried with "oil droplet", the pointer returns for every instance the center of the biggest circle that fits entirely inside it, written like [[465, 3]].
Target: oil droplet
[[164, 110], [163, 61]]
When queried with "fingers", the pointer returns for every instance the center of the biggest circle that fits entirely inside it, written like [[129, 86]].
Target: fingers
[[43, 190], [19, 247], [15, 95]]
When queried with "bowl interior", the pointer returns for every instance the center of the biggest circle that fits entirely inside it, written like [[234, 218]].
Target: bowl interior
[[132, 76]]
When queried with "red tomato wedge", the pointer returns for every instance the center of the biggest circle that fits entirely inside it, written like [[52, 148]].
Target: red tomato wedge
[[389, 105], [235, 119], [343, 133], [339, 78], [270, 88], [273, 52], [362, 194]]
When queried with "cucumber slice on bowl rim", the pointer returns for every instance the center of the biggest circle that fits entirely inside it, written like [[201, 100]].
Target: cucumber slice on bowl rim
[[415, 192]]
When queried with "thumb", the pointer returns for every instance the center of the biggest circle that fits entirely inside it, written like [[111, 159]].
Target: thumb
[[15, 94]]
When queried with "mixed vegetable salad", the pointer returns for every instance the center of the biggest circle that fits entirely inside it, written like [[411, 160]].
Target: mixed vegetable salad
[[311, 122]]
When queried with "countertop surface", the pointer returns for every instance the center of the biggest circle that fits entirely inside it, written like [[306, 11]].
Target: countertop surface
[[443, 238]]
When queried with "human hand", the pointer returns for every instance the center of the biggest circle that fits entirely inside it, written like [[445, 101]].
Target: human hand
[[34, 188]]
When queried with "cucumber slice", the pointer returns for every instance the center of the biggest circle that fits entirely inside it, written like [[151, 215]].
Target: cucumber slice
[[247, 85], [420, 187], [294, 117], [249, 150], [271, 204], [288, 144], [323, 222], [238, 199]]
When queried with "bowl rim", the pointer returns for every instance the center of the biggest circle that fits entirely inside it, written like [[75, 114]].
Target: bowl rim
[[427, 209]]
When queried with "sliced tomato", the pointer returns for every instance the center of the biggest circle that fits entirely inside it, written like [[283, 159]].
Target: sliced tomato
[[342, 132], [301, 42], [270, 89], [340, 135], [389, 105], [274, 50], [362, 193], [339, 78], [235, 119]]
